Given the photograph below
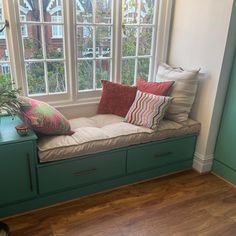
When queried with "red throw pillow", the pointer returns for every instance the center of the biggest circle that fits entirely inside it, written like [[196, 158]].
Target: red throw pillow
[[116, 98], [156, 88]]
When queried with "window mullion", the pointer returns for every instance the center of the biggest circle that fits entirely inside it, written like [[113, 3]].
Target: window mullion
[[94, 44], [43, 47], [137, 42], [70, 48], [117, 41]]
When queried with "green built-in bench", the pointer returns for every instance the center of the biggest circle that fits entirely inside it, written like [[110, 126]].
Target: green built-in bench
[[103, 153]]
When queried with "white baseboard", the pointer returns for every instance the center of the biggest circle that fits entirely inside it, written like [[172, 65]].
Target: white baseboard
[[202, 163]]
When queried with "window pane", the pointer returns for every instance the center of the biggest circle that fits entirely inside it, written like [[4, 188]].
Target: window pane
[[54, 46], [102, 71], [30, 9], [5, 73], [129, 41], [33, 43], [128, 66], [147, 12], [143, 68], [130, 11], [145, 40], [5, 68], [4, 56], [56, 77], [2, 34], [103, 41], [35, 78], [24, 30], [1, 12], [84, 11], [84, 41], [56, 31], [52, 11], [103, 11], [85, 74]]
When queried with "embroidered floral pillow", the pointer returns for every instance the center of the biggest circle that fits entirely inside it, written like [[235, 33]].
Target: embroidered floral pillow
[[43, 118]]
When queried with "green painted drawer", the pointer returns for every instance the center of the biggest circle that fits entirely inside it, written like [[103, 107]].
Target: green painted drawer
[[91, 169], [158, 154]]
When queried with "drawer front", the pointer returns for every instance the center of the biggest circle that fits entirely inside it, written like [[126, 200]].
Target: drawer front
[[159, 154], [69, 174], [17, 172]]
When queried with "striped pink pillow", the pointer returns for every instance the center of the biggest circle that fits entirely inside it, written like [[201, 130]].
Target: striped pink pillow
[[147, 110]]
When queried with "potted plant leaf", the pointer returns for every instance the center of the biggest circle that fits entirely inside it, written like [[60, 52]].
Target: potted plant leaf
[[9, 103]]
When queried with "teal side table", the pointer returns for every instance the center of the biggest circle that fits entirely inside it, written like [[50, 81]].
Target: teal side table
[[17, 163]]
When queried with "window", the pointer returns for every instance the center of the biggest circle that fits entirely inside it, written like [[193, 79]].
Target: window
[[2, 34], [57, 29], [138, 32], [94, 46], [5, 68], [24, 31], [44, 60], [67, 47]]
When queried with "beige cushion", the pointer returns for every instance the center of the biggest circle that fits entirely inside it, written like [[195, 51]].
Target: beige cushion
[[183, 91], [106, 132]]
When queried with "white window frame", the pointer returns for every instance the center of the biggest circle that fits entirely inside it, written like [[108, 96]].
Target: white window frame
[[72, 96]]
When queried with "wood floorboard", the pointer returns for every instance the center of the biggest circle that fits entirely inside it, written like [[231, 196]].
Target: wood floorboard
[[182, 204]]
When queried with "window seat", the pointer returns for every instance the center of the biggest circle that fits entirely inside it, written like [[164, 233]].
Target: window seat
[[102, 133]]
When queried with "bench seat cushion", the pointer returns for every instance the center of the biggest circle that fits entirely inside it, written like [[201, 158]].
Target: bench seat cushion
[[106, 132]]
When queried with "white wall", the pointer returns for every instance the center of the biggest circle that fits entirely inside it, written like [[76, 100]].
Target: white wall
[[198, 40]]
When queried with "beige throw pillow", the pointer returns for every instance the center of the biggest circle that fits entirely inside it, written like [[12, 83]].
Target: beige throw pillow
[[183, 91]]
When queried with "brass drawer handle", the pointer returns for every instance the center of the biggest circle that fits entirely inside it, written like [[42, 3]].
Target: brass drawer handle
[[163, 154], [85, 172]]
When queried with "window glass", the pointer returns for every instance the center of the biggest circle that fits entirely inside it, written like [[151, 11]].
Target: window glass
[[5, 66], [55, 60], [94, 42], [43, 46], [137, 36]]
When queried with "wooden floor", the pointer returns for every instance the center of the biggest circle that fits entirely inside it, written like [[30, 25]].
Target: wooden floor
[[182, 204]]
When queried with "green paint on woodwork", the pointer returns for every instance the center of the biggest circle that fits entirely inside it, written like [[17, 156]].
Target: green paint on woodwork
[[27, 184]]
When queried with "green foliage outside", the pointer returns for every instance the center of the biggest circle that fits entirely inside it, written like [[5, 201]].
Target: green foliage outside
[[35, 71], [9, 102]]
